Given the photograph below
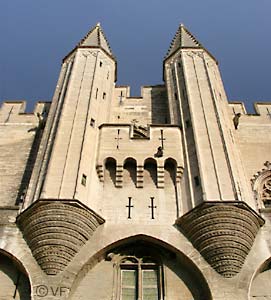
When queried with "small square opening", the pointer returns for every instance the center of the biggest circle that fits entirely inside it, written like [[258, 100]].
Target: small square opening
[[92, 122], [84, 180], [197, 181]]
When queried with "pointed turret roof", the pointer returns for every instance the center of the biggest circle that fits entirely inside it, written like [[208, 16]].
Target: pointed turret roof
[[96, 38], [183, 39]]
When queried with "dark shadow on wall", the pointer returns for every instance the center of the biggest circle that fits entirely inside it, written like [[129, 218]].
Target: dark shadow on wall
[[159, 105], [130, 166], [170, 169], [29, 167], [110, 168], [39, 130], [150, 167]]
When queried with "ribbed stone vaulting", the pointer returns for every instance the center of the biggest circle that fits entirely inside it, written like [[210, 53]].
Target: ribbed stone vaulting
[[55, 230], [223, 232]]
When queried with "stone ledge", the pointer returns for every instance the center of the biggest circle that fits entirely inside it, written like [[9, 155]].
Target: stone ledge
[[8, 215], [223, 232]]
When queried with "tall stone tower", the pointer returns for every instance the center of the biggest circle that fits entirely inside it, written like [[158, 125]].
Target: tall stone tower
[[111, 197]]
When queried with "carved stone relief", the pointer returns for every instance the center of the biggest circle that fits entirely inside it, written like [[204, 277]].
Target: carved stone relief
[[86, 53], [261, 185], [55, 230], [140, 132], [223, 232]]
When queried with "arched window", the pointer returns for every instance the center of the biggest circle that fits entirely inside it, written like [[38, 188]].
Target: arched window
[[140, 279]]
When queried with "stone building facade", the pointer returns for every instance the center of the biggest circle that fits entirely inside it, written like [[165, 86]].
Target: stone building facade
[[166, 196]]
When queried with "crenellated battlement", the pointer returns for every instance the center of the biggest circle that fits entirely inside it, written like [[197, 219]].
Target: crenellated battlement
[[14, 112], [261, 109], [149, 108], [125, 90]]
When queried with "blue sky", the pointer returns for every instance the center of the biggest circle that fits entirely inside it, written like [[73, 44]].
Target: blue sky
[[37, 34]]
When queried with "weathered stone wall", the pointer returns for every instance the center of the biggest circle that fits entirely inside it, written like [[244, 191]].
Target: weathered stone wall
[[177, 279], [139, 174], [253, 136], [150, 108], [86, 105], [17, 133]]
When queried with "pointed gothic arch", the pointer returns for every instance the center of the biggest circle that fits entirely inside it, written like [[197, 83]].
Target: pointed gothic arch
[[260, 284], [14, 280], [171, 265]]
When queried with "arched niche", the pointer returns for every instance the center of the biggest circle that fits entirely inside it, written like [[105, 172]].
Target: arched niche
[[14, 282], [170, 167], [129, 172], [260, 287], [150, 172], [110, 171], [136, 263]]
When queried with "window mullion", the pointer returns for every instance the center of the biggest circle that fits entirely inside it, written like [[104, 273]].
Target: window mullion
[[160, 282], [141, 279], [140, 283]]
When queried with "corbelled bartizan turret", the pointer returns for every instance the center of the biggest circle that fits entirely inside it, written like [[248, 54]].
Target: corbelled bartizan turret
[[165, 196]]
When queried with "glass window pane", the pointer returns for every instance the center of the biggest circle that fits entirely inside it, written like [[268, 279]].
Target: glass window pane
[[128, 284], [150, 294], [128, 277], [128, 294], [149, 277], [150, 284]]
